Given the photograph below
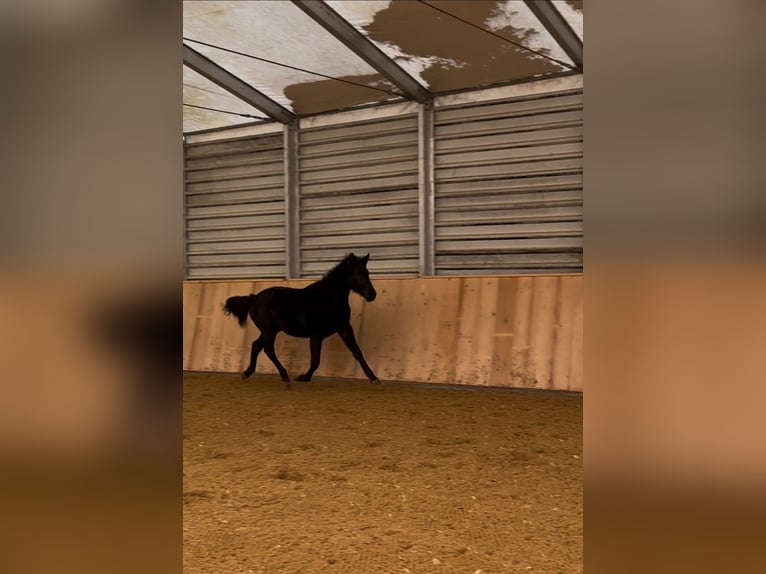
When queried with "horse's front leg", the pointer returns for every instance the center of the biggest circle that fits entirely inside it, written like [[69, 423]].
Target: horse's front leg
[[347, 334], [316, 351]]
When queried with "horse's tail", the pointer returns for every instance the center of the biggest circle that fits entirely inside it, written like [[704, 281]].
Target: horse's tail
[[239, 306]]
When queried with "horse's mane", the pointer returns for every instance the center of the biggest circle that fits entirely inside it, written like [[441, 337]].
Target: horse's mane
[[337, 271]]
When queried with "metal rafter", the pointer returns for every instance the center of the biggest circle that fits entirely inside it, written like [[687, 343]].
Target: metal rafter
[[232, 84], [331, 21], [559, 28]]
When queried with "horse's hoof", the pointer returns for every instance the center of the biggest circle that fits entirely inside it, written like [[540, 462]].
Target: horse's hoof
[[303, 378], [245, 375], [375, 381]]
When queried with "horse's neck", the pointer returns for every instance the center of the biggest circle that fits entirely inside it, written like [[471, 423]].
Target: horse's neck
[[332, 290]]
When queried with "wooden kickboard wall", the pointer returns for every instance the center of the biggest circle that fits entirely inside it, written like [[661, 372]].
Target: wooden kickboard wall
[[500, 331]]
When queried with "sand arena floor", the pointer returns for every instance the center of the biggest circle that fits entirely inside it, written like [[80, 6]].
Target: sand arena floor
[[349, 477]]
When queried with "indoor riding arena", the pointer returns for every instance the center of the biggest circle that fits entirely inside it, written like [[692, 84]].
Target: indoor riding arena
[[457, 166]]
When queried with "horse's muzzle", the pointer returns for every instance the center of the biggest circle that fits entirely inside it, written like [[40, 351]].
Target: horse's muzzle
[[370, 295]]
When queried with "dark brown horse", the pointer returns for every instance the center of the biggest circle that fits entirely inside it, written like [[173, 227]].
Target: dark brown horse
[[316, 311]]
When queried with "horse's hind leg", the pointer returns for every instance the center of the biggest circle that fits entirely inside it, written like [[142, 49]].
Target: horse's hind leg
[[268, 348], [316, 351], [256, 348]]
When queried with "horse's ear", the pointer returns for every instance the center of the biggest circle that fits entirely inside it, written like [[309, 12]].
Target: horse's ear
[[365, 259]]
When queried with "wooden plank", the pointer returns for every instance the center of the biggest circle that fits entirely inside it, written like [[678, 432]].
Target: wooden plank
[[192, 294], [483, 326], [576, 365], [388, 346], [507, 294], [543, 311], [435, 295], [223, 329], [564, 332], [411, 318], [472, 355], [203, 332], [449, 310], [520, 375]]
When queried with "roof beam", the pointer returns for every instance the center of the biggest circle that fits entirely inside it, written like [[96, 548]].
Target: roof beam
[[558, 27], [334, 23], [232, 84]]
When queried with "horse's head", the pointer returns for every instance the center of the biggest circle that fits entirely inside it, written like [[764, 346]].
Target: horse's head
[[359, 277]]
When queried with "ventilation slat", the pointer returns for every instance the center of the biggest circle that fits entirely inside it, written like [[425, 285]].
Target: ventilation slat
[[235, 208], [508, 186]]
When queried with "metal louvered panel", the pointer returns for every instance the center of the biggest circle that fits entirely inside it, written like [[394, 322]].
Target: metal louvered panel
[[508, 179], [235, 208], [359, 193]]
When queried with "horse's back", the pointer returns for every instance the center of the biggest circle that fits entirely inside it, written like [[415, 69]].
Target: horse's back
[[280, 309], [277, 295], [299, 312]]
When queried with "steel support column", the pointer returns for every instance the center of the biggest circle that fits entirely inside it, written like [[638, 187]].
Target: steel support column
[[426, 188], [292, 203]]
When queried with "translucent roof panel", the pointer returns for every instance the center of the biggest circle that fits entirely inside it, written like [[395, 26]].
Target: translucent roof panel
[[459, 44], [207, 104], [571, 10], [280, 32], [445, 45]]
